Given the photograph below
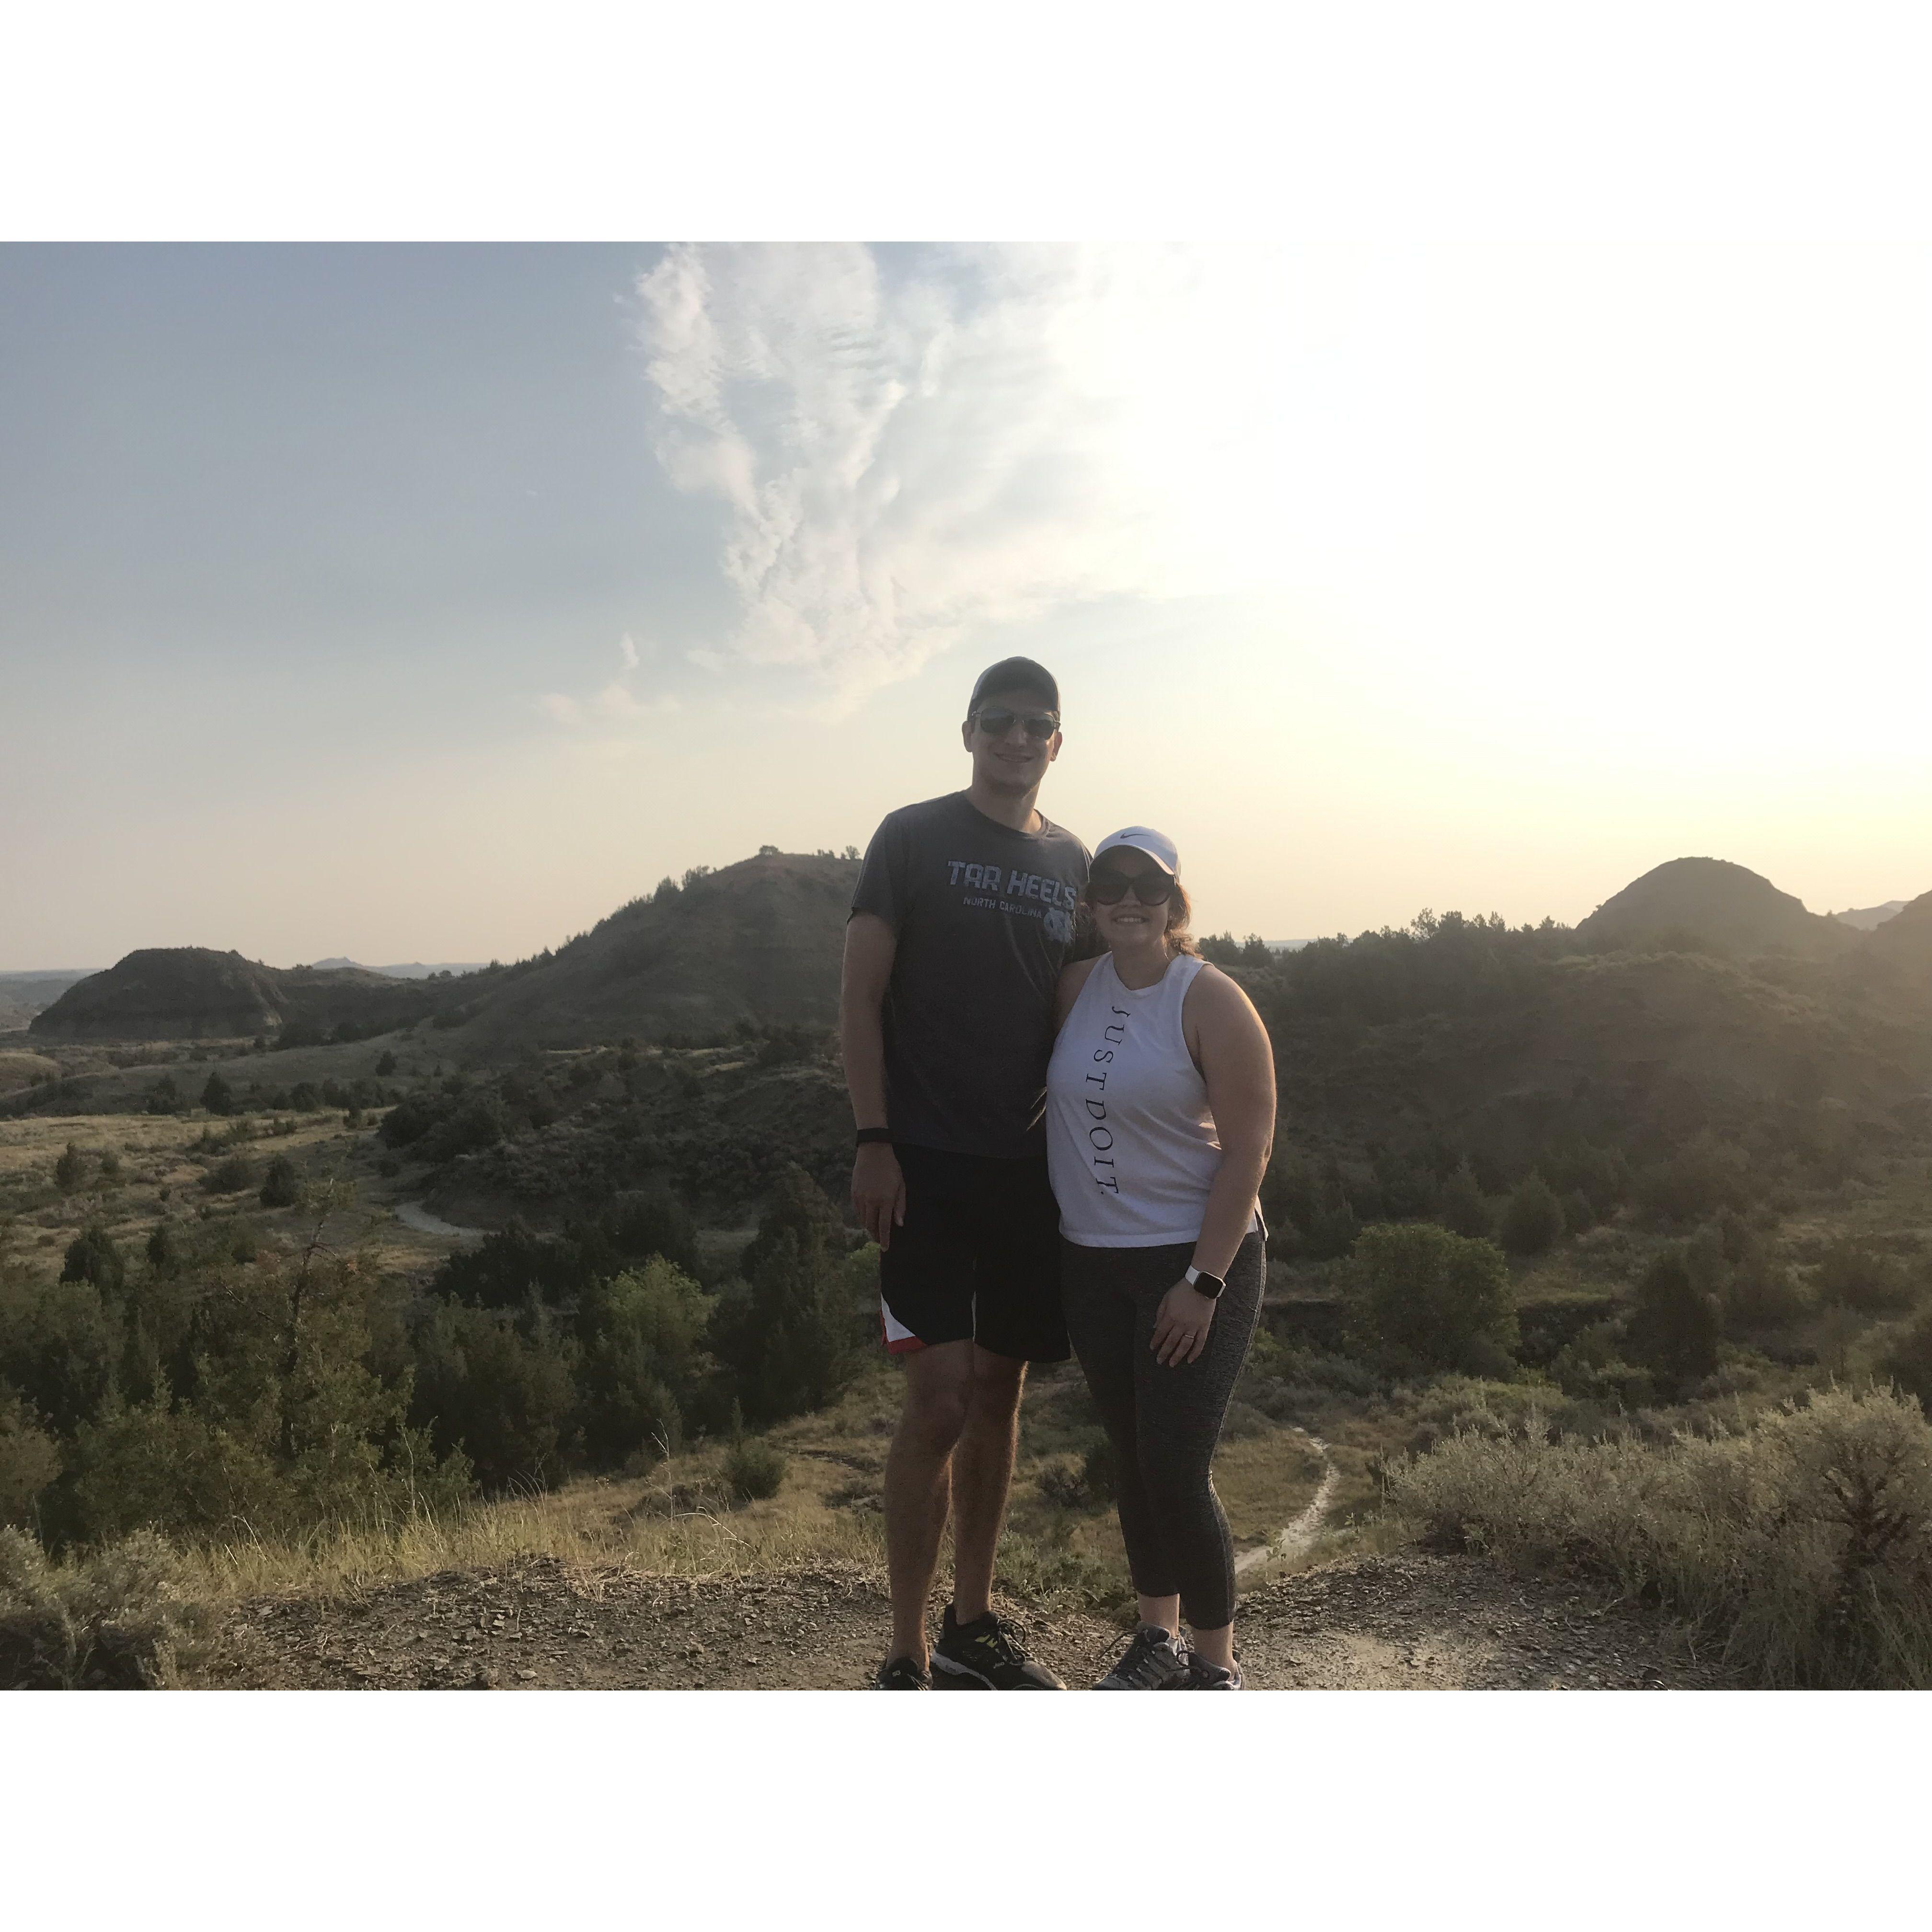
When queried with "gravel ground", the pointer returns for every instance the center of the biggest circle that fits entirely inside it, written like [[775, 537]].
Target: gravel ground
[[1409, 1622]]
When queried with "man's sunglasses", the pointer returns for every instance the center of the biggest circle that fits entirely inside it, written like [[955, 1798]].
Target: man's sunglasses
[[1037, 724], [1109, 888]]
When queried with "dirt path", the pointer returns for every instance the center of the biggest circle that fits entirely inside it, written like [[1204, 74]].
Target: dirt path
[[1300, 1534], [1404, 1622], [414, 1214]]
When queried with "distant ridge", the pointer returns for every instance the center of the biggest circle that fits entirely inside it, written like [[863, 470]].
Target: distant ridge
[[190, 992], [1871, 917], [760, 942], [415, 970], [1710, 905]]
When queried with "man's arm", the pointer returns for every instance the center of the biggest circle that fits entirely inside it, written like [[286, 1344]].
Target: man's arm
[[878, 1188]]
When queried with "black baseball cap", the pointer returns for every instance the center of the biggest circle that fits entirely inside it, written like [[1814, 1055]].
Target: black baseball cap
[[1016, 674]]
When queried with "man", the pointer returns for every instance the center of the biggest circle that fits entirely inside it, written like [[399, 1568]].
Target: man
[[963, 917]]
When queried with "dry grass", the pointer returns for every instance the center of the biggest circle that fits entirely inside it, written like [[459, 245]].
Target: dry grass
[[1800, 1542], [159, 1178], [588, 1525], [680, 1519]]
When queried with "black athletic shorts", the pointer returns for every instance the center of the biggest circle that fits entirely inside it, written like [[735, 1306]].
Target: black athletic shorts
[[978, 1258]]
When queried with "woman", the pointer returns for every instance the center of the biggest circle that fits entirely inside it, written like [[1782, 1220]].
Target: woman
[[1160, 1111]]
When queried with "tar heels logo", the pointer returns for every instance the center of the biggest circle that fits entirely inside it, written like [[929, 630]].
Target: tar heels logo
[[1060, 925]]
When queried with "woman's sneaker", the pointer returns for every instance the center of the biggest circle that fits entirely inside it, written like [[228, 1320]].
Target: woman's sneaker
[[901, 1673], [1156, 1660], [1202, 1675], [985, 1655]]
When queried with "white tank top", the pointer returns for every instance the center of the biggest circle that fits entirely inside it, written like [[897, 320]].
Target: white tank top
[[1130, 1140]]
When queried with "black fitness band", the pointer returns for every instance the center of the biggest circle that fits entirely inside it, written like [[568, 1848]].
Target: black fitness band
[[868, 1135]]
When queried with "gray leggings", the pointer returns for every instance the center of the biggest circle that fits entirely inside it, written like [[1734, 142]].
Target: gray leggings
[[1164, 1422]]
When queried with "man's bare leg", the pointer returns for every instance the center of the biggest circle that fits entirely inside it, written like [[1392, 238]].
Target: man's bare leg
[[983, 1474], [918, 1484]]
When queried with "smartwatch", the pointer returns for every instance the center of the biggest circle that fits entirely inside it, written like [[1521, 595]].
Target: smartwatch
[[1209, 1284]]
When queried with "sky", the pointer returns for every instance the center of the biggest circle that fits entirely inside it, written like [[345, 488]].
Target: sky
[[429, 602]]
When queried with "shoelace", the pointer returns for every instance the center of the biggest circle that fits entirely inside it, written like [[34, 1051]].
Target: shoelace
[[1140, 1653], [1000, 1639]]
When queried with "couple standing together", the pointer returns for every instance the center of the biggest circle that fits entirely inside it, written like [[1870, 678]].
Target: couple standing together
[[1056, 1154]]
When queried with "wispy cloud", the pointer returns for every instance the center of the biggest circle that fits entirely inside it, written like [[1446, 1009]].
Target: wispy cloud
[[616, 703], [913, 447]]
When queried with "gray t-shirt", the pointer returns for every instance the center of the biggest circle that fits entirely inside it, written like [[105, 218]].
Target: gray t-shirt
[[984, 919]]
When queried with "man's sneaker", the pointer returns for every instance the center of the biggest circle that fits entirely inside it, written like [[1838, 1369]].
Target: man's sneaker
[[1156, 1660], [901, 1673], [1202, 1675], [985, 1655]]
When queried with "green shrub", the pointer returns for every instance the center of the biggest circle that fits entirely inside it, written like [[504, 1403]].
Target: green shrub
[[1674, 1325], [1700, 1179], [755, 1469], [175, 1471], [1591, 1367], [217, 1096], [92, 1256], [1532, 1219], [281, 1186], [109, 1621], [1463, 1207], [793, 1335], [164, 1096], [70, 1169], [29, 1460], [1909, 1360], [1800, 1543], [1090, 1483], [58, 1345], [1762, 1296], [1854, 1274], [229, 1177], [410, 1119], [1427, 1299], [505, 1399], [1100, 1471], [642, 1333]]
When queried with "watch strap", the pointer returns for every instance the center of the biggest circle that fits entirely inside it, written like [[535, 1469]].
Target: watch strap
[[867, 1135]]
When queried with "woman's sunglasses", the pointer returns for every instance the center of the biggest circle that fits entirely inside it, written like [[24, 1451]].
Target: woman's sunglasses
[[1109, 888], [1037, 724]]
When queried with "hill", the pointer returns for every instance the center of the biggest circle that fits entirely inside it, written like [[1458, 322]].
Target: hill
[[190, 992], [759, 941], [1870, 918], [24, 994], [1710, 905], [1905, 940]]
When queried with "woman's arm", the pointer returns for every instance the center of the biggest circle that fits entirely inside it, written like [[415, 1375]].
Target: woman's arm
[[1231, 1046], [1071, 979], [1236, 1060]]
